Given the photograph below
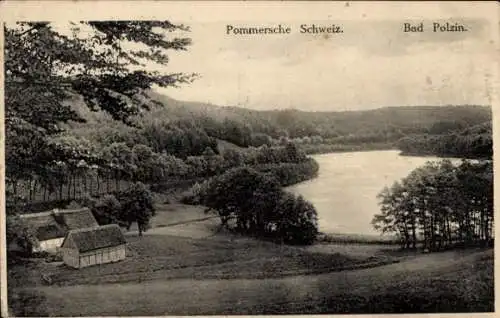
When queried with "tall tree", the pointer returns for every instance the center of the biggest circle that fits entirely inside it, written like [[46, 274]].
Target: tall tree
[[105, 62], [448, 203]]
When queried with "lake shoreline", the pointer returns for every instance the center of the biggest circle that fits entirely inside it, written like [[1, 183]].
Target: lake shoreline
[[344, 193], [354, 238], [440, 156], [311, 152]]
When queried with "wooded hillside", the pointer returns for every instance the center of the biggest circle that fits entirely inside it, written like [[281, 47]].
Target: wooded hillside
[[246, 127]]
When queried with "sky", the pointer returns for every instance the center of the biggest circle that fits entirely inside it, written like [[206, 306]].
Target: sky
[[372, 64]]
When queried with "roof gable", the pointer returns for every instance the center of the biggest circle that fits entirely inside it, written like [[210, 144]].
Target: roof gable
[[56, 223], [44, 225], [76, 219], [94, 238]]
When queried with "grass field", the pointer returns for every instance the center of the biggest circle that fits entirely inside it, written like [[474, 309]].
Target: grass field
[[181, 267], [444, 282], [165, 257]]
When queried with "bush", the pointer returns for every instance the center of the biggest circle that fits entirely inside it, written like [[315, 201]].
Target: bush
[[297, 221], [18, 232], [108, 210], [260, 207], [291, 173], [193, 195]]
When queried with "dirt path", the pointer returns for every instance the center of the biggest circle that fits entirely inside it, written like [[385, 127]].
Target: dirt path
[[188, 296]]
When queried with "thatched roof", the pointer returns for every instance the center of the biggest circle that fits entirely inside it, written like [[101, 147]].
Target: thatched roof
[[76, 219], [94, 238], [48, 232], [56, 223]]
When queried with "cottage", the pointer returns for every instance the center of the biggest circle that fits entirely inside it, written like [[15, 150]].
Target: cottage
[[51, 227], [92, 246]]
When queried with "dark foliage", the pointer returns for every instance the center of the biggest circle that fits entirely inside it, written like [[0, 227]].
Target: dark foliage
[[440, 205], [45, 68], [133, 205], [473, 142], [259, 206]]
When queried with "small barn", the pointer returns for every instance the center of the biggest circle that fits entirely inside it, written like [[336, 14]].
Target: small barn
[[92, 246], [51, 227]]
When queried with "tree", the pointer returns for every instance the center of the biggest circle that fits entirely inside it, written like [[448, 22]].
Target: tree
[[19, 233], [136, 206], [105, 62], [234, 193], [108, 210], [397, 214], [260, 139], [232, 157], [143, 157], [293, 154], [236, 132], [440, 204]]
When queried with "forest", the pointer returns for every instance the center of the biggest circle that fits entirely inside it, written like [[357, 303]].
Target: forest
[[179, 141], [440, 205], [472, 142], [81, 126]]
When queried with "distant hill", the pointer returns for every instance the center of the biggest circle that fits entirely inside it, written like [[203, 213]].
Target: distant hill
[[299, 123], [222, 127]]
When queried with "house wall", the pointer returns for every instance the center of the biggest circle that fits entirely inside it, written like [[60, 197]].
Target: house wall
[[71, 257], [49, 245], [103, 256]]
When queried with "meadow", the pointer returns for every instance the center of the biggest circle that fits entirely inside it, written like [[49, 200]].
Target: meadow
[[188, 268]]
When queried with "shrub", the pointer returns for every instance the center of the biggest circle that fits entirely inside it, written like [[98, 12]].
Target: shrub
[[297, 221], [108, 210], [259, 206], [17, 232], [193, 195]]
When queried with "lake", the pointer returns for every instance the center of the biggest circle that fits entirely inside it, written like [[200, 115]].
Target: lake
[[345, 191]]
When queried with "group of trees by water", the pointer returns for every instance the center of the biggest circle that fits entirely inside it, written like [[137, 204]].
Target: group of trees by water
[[440, 205], [258, 205], [472, 142], [116, 166]]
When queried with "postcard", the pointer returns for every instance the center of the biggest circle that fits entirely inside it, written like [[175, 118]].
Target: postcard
[[248, 158]]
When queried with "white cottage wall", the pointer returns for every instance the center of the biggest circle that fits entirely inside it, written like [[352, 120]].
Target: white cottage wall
[[49, 245]]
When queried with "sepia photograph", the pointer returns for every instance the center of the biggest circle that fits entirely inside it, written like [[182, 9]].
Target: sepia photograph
[[239, 158]]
